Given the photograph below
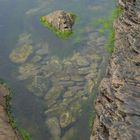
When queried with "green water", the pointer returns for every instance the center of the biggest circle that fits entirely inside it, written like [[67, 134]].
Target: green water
[[20, 25]]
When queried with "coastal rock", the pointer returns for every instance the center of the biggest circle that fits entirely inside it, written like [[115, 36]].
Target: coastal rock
[[60, 20], [118, 102]]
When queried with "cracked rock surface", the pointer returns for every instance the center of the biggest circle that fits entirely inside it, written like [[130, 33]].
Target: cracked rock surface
[[118, 102]]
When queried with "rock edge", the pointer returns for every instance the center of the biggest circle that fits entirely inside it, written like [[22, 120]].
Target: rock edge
[[118, 103]]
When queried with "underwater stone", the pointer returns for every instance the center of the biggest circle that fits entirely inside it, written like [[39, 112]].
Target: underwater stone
[[39, 85], [66, 119], [54, 93], [54, 128], [82, 62], [27, 70], [21, 54], [77, 78], [90, 85]]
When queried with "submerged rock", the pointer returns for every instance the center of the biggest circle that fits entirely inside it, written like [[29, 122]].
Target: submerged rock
[[27, 70], [70, 134], [54, 93], [20, 54], [66, 119], [39, 85], [54, 127]]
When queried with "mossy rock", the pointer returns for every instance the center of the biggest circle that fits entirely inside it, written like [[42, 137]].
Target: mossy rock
[[60, 22]]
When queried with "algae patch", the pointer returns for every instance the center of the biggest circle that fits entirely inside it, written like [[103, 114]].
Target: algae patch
[[59, 22]]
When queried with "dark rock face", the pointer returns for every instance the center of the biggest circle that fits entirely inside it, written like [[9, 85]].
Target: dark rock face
[[118, 102], [61, 20]]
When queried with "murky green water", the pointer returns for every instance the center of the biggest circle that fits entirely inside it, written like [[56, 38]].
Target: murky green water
[[52, 79]]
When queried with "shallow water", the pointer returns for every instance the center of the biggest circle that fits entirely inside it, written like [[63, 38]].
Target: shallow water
[[19, 25]]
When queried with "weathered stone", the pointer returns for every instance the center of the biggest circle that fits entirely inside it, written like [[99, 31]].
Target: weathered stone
[[60, 20], [118, 103]]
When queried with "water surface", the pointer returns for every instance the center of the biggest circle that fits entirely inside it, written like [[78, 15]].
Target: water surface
[[54, 62]]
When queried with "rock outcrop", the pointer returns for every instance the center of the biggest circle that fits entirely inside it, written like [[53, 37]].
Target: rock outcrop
[[6, 131], [60, 20], [118, 102]]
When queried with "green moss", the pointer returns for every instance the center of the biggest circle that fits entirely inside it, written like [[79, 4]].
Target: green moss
[[59, 33], [107, 27], [22, 133]]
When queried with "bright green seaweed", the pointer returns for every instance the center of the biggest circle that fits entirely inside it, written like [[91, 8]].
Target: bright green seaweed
[[59, 33]]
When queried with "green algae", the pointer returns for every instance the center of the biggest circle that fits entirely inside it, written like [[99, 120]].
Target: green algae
[[107, 27], [59, 33]]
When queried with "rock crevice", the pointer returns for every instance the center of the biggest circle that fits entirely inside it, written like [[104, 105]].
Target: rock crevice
[[118, 103]]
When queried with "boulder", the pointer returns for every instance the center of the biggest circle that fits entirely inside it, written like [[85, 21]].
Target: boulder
[[60, 20]]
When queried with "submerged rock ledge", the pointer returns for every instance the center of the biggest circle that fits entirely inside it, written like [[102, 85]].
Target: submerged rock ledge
[[118, 103]]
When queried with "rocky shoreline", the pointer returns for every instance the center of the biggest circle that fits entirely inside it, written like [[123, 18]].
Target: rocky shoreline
[[118, 103], [6, 130]]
